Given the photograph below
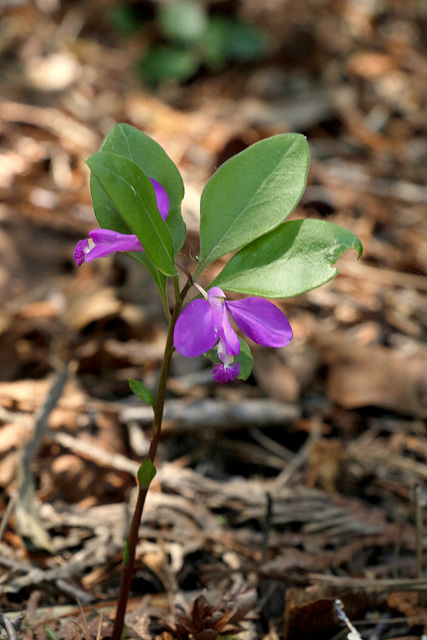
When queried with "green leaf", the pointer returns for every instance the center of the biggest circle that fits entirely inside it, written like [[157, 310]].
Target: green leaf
[[109, 218], [295, 258], [245, 42], [244, 358], [133, 196], [183, 20], [142, 392], [123, 19], [251, 194], [163, 63], [146, 473], [127, 141], [214, 44], [234, 40]]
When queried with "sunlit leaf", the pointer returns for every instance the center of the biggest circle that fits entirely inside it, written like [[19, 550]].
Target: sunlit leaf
[[251, 194], [132, 194], [295, 258]]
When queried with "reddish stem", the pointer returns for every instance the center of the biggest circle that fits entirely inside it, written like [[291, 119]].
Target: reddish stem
[[129, 560]]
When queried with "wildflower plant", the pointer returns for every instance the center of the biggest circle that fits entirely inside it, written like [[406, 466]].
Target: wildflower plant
[[137, 192]]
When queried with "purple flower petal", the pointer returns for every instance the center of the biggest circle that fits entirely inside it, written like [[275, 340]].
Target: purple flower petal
[[161, 197], [102, 243], [115, 241], [106, 241], [225, 357], [216, 292], [229, 336], [223, 373], [98, 251], [226, 332], [103, 250], [262, 321], [106, 235], [81, 250], [195, 331]]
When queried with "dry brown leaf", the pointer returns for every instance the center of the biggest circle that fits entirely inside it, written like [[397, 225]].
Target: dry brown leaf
[[408, 604], [370, 64], [11, 437], [28, 395], [361, 376], [310, 612], [323, 464]]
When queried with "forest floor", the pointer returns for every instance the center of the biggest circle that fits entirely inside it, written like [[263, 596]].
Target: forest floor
[[305, 485]]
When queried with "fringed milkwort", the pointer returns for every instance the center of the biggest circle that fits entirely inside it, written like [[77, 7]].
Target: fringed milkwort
[[204, 323], [103, 242]]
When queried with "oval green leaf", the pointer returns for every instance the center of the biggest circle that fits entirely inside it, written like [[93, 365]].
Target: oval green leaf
[[166, 62], [127, 141], [132, 194], [295, 258], [142, 392], [251, 194], [146, 473], [183, 20]]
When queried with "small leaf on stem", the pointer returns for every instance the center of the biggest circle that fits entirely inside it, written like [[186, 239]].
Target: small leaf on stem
[[142, 392], [146, 473]]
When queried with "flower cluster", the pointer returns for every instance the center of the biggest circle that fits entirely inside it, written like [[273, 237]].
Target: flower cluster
[[103, 242], [204, 322]]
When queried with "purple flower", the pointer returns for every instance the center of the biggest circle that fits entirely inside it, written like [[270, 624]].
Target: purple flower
[[223, 373], [103, 242], [227, 370], [204, 322], [161, 197]]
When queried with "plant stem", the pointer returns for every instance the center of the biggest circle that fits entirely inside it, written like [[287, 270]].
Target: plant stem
[[132, 540]]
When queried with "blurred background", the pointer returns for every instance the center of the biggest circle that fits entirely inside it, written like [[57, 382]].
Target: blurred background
[[332, 428]]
